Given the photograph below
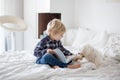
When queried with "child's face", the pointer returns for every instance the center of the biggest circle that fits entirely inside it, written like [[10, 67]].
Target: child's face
[[58, 36]]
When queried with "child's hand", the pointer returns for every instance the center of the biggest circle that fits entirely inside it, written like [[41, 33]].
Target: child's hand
[[50, 51]]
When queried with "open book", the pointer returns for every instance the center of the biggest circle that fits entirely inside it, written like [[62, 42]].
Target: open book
[[62, 57]]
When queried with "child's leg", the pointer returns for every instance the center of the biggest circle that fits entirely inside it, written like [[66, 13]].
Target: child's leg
[[51, 60]]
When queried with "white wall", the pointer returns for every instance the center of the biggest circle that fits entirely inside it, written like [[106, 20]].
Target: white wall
[[31, 10], [1, 7], [98, 14], [33, 7], [94, 14], [66, 8]]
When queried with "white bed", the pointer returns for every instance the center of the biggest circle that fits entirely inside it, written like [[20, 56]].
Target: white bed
[[20, 65]]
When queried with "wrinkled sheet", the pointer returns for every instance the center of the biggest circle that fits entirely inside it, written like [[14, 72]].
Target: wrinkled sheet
[[20, 65]]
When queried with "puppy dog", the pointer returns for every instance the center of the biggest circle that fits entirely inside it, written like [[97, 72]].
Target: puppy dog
[[91, 54]]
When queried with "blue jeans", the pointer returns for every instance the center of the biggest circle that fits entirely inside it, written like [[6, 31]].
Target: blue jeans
[[51, 60]]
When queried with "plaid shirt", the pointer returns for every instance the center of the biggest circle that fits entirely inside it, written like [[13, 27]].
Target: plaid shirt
[[47, 43]]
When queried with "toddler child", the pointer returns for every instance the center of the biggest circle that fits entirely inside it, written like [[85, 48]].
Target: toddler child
[[44, 50]]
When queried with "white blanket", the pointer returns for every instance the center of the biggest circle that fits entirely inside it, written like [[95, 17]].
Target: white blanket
[[22, 66]]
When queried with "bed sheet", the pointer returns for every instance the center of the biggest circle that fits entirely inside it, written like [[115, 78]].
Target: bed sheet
[[20, 65]]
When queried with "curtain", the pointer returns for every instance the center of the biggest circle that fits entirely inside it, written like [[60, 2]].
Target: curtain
[[2, 39], [7, 40]]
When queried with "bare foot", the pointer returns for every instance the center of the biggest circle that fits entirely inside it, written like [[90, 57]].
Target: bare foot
[[73, 66], [54, 67]]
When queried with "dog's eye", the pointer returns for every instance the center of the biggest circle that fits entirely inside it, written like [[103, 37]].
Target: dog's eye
[[78, 53]]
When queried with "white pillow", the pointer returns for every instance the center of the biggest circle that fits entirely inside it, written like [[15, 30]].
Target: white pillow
[[99, 39], [83, 36], [69, 36], [112, 48]]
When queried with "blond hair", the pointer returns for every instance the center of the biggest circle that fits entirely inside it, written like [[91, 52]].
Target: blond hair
[[55, 26]]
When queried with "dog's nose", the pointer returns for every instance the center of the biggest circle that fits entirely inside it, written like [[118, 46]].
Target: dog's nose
[[83, 56]]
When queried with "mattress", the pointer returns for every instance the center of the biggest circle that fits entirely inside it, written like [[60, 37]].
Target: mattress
[[20, 65]]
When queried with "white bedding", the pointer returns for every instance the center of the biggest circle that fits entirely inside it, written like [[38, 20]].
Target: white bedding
[[22, 66]]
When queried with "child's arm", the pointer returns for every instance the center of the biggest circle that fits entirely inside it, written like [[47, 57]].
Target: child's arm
[[65, 51], [40, 49]]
